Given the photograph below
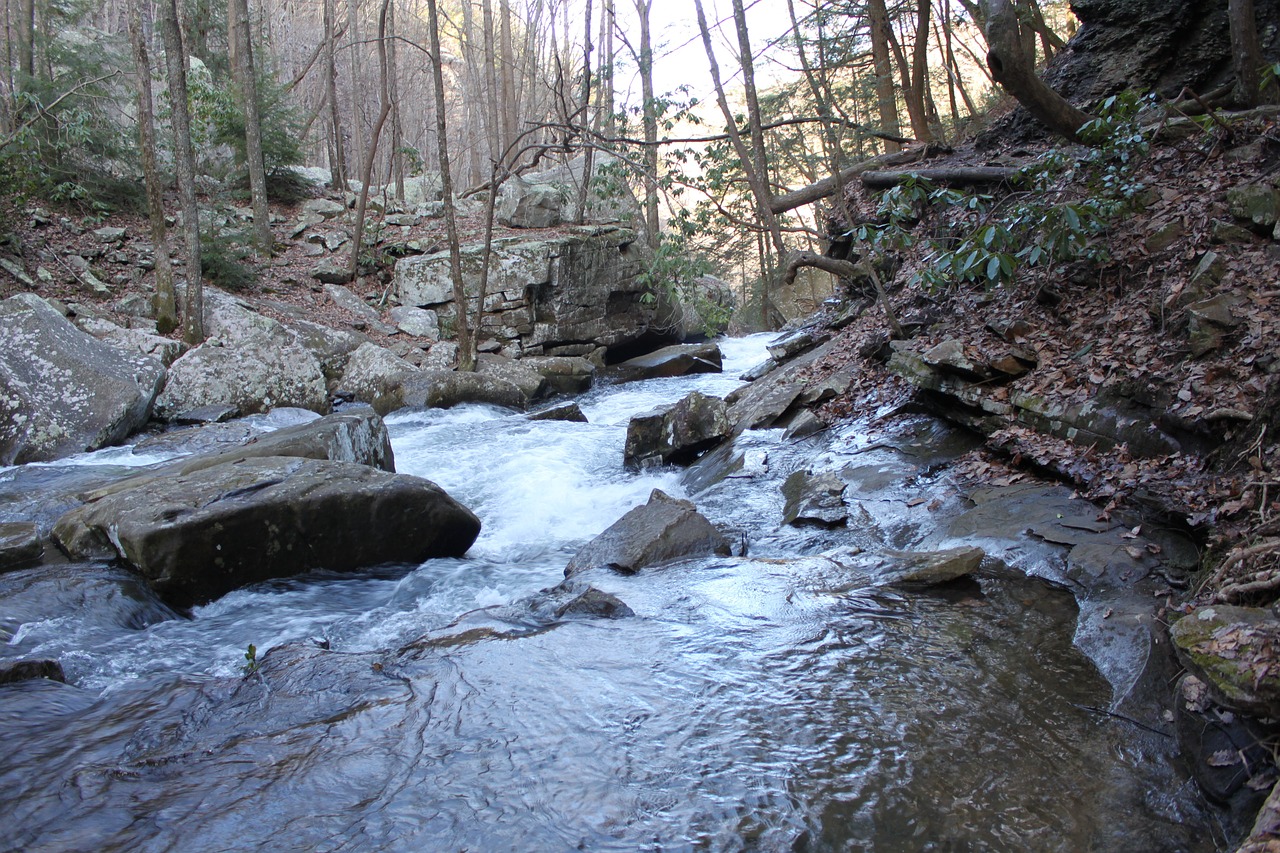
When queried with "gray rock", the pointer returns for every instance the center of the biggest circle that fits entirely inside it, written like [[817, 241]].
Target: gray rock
[[563, 295], [593, 602], [94, 595], [354, 305], [660, 531], [357, 435], [376, 376], [1232, 650], [816, 499], [1255, 203], [566, 374], [676, 434], [63, 391], [324, 207], [330, 347], [417, 322], [797, 343], [442, 389], [19, 544], [256, 375], [332, 271], [164, 350], [570, 412], [929, 568], [195, 537], [443, 355], [109, 235], [679, 360], [530, 205], [531, 383]]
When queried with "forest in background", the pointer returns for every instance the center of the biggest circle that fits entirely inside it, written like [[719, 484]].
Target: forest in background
[[350, 85]]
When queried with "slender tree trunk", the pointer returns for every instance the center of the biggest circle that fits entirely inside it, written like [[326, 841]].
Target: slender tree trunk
[[371, 153], [886, 98], [510, 101], [492, 92], [164, 303], [27, 38], [338, 165], [588, 155], [466, 348], [649, 116], [1246, 56], [246, 78], [393, 94], [917, 88], [757, 178], [184, 162], [605, 121]]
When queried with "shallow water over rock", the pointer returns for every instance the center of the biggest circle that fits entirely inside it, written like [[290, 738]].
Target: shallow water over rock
[[784, 700]]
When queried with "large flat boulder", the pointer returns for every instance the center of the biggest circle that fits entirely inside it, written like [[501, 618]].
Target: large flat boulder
[[197, 536], [660, 531], [62, 391]]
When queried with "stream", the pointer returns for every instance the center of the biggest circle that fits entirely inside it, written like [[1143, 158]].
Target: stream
[[774, 701]]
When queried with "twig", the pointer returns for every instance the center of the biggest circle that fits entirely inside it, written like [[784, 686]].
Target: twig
[[1105, 713], [42, 110]]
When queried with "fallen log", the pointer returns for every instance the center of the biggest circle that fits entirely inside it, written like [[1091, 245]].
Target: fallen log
[[828, 186], [961, 175]]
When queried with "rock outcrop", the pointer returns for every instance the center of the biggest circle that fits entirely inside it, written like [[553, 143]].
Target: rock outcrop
[[62, 390], [660, 531], [197, 536], [677, 360], [563, 295]]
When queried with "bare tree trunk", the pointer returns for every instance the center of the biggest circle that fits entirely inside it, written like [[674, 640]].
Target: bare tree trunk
[[1246, 57], [878, 18], [650, 119], [393, 94], [164, 303], [184, 162], [246, 78], [757, 178], [371, 153], [1013, 69], [338, 166], [605, 120], [588, 155], [917, 93], [508, 102], [27, 38], [466, 347]]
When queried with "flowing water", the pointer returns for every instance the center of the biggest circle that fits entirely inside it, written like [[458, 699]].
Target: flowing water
[[777, 701]]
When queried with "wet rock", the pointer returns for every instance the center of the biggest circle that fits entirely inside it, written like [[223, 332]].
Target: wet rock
[[1233, 651], [1221, 749], [443, 389], [565, 374], [417, 322], [798, 342], [19, 544], [531, 383], [929, 568], [356, 435], [204, 415], [679, 360], [1266, 827], [197, 536], [814, 499], [524, 204], [803, 425], [63, 391], [676, 434], [763, 403], [93, 595], [660, 531], [28, 669], [563, 412], [593, 602]]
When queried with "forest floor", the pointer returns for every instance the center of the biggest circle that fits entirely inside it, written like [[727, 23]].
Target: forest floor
[[1123, 324], [1120, 322]]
